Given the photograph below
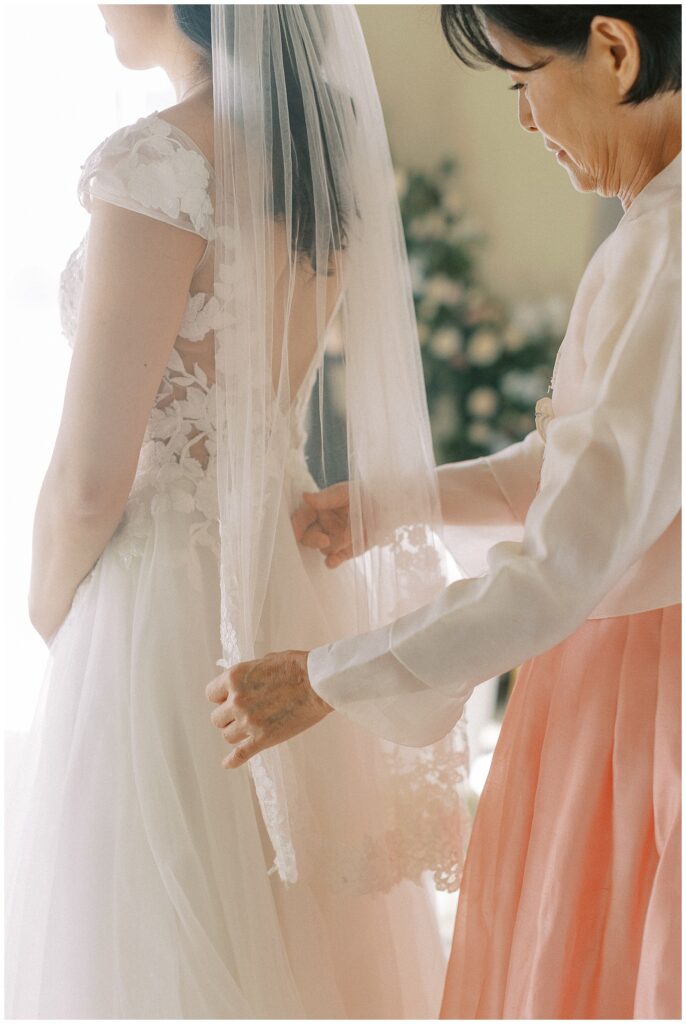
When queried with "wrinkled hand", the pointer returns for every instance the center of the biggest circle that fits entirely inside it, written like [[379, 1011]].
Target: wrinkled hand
[[262, 703], [323, 522]]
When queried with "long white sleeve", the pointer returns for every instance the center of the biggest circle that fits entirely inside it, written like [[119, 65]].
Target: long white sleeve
[[495, 490], [610, 487], [485, 501]]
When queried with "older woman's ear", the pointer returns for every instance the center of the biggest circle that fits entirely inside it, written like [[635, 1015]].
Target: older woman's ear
[[615, 43]]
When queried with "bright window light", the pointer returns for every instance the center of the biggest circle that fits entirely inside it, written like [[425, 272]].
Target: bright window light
[[61, 98]]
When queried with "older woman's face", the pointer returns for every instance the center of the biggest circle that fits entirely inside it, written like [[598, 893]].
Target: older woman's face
[[573, 103]]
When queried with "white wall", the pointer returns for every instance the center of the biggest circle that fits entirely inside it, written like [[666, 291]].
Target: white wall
[[541, 232], [58, 100]]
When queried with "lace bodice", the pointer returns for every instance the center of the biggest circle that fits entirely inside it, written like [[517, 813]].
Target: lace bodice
[[154, 168]]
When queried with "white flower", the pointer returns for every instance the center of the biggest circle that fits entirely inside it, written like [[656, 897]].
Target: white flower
[[446, 343], [416, 273], [523, 424], [170, 476], [176, 184], [178, 443], [465, 230], [172, 500], [164, 423], [193, 408], [544, 414], [227, 284], [441, 290], [202, 315], [482, 402], [193, 177], [426, 308], [498, 440], [337, 386], [557, 314], [453, 201], [181, 501], [424, 333], [444, 417], [514, 340], [529, 318], [155, 125], [228, 236], [523, 386], [206, 497], [484, 347], [479, 433], [430, 225], [401, 182], [175, 363]]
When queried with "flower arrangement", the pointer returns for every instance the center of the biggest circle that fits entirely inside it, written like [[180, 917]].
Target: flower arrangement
[[485, 364]]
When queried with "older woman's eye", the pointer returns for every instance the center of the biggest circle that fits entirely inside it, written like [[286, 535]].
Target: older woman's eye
[[517, 86]]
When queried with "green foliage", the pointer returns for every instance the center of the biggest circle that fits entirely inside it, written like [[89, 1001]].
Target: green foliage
[[486, 364]]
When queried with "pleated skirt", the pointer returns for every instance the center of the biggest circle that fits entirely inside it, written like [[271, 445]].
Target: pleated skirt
[[570, 901]]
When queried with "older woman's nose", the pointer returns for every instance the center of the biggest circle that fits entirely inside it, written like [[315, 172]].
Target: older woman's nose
[[524, 113]]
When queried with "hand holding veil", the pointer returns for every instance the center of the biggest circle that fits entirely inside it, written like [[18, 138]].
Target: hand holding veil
[[319, 375]]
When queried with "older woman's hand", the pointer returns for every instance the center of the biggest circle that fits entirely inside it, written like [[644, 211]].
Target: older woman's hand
[[262, 703], [323, 522]]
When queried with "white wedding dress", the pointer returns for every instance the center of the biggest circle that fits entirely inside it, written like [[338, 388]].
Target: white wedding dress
[[138, 869]]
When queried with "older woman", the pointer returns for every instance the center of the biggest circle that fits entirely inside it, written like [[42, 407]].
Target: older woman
[[570, 900]]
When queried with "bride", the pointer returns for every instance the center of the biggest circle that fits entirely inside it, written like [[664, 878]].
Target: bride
[[233, 237]]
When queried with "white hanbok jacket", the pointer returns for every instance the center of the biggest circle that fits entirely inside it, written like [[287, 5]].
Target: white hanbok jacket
[[593, 499]]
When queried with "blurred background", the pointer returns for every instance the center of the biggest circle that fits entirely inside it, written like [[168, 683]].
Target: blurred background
[[540, 232], [497, 240]]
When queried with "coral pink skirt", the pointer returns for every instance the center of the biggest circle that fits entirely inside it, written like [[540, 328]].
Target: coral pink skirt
[[570, 901]]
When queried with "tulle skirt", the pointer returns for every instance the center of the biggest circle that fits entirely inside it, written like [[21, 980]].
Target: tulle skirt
[[570, 900], [138, 868]]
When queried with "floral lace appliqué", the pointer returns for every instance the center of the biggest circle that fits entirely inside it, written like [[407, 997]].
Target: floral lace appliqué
[[430, 830], [148, 165]]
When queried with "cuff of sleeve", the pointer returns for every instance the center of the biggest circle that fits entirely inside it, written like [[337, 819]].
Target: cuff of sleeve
[[376, 691]]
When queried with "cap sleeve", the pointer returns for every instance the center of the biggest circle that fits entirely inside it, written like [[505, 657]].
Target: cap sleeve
[[152, 168]]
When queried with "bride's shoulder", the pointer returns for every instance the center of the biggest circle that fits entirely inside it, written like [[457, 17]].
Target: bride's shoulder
[[193, 119], [158, 135], [152, 164]]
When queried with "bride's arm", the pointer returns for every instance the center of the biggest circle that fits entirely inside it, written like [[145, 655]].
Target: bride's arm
[[138, 272]]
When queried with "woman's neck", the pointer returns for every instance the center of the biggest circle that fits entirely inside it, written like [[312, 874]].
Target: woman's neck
[[653, 150], [191, 80]]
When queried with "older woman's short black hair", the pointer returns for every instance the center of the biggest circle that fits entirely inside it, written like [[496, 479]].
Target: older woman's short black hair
[[565, 28]]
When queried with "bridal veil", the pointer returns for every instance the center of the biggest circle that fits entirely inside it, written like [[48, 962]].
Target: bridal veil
[[319, 379]]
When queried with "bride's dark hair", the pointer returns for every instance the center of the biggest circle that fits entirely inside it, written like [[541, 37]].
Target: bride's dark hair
[[196, 22]]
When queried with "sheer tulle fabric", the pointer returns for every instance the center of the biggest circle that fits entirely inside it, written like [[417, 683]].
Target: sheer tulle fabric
[[138, 871], [310, 256]]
